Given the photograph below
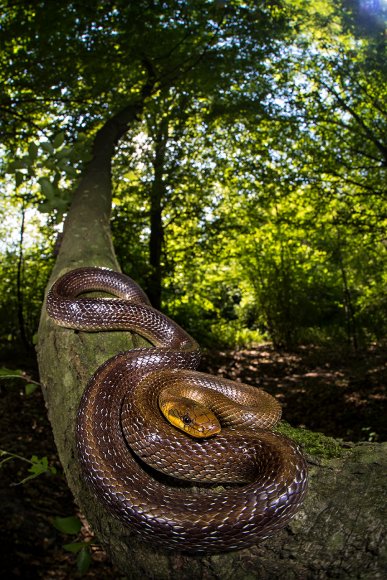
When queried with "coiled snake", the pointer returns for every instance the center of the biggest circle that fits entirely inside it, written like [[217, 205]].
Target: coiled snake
[[124, 442]]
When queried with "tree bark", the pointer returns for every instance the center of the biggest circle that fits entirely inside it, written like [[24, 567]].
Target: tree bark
[[19, 283], [338, 532], [157, 194]]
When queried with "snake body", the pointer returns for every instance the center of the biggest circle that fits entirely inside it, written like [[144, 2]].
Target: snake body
[[138, 464]]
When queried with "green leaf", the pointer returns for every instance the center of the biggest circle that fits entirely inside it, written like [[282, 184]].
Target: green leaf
[[47, 187], [59, 140], [83, 561], [17, 164], [69, 525], [30, 388], [75, 547], [39, 465], [19, 178], [50, 164], [85, 156], [63, 157], [47, 147], [64, 153], [4, 372], [70, 171], [46, 207], [33, 151]]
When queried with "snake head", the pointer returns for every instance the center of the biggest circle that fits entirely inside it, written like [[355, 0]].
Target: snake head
[[190, 417]]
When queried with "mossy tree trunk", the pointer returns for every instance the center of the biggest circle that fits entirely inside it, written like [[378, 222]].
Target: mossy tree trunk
[[338, 532]]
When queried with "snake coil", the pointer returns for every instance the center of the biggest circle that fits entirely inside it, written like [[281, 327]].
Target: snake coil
[[120, 430]]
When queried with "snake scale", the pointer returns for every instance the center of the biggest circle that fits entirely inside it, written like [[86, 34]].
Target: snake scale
[[142, 467]]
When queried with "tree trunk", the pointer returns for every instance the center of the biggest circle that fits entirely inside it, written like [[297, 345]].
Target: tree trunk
[[19, 283], [338, 532], [157, 194]]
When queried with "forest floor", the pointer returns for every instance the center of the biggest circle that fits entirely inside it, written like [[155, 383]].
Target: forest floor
[[340, 394]]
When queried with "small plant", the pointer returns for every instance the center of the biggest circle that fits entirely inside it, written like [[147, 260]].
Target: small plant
[[30, 385], [72, 526], [38, 465]]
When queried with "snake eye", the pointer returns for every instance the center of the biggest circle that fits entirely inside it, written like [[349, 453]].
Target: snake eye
[[186, 419]]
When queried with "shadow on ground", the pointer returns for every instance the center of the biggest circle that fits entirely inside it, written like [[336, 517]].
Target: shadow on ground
[[342, 394]]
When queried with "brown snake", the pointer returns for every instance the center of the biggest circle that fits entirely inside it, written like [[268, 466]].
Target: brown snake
[[120, 429]]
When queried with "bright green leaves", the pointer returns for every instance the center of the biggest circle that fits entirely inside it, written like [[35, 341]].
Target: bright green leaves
[[48, 171], [37, 465], [271, 165]]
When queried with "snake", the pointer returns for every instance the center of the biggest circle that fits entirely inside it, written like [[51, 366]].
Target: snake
[[180, 471]]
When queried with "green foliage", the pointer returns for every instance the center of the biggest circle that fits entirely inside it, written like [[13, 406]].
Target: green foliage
[[249, 195], [72, 526], [36, 267], [30, 386], [49, 169], [26, 249], [83, 560], [10, 374], [68, 525], [38, 465]]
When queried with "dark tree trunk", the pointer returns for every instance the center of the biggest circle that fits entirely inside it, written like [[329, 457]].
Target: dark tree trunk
[[157, 195], [19, 284]]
